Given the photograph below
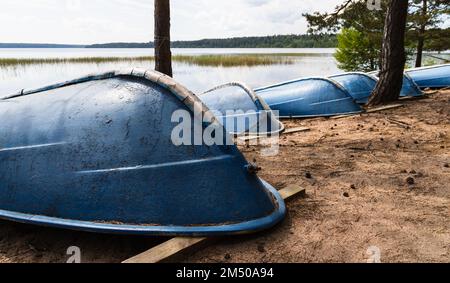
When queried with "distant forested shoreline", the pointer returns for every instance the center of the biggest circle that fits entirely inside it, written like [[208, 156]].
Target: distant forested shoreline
[[43, 45], [276, 41]]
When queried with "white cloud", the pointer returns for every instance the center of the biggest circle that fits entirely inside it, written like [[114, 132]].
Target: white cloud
[[94, 21]]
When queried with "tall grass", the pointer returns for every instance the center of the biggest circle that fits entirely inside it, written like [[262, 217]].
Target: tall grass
[[200, 60], [233, 60], [5, 62]]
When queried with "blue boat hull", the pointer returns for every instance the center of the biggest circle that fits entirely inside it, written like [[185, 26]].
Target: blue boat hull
[[360, 86], [96, 155], [309, 97], [410, 88], [431, 77], [241, 111]]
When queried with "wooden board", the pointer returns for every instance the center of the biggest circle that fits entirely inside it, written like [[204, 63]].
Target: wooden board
[[165, 250], [249, 138], [408, 98], [288, 131], [399, 123], [387, 107], [373, 110], [291, 191], [296, 130], [179, 244], [343, 116]]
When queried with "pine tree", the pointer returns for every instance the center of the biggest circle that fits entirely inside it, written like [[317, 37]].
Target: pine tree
[[423, 33], [425, 16], [163, 55], [393, 56]]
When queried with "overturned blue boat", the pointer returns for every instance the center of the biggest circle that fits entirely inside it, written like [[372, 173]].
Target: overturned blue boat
[[358, 85], [309, 97], [241, 111], [410, 88], [434, 77], [97, 154], [361, 85]]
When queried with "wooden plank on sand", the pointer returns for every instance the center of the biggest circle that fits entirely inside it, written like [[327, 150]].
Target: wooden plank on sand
[[288, 131], [250, 138], [343, 116], [177, 245], [296, 130], [166, 250], [291, 191], [387, 107]]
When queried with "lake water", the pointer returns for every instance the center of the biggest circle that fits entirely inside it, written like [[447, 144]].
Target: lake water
[[313, 62]]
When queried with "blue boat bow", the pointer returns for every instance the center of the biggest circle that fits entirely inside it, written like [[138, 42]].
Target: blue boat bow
[[96, 154], [309, 97], [431, 77], [241, 110], [361, 85]]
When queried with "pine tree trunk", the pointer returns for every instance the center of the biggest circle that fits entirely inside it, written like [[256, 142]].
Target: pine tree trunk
[[420, 44], [422, 30], [393, 55], [163, 55]]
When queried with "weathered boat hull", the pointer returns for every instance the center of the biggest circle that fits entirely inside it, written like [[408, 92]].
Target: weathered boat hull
[[410, 88], [431, 77], [309, 97], [241, 111], [96, 155], [361, 85]]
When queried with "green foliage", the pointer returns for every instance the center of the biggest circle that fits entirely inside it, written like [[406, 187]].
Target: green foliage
[[427, 16], [354, 15], [12, 62], [350, 14], [424, 21], [276, 41], [438, 40], [360, 39], [355, 51]]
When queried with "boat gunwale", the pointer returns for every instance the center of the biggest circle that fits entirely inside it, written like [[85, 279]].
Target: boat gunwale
[[427, 67], [367, 75]]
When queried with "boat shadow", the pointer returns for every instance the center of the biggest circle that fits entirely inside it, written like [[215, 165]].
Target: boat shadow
[[24, 243]]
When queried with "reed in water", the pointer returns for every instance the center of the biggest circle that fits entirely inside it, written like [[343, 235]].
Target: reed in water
[[200, 60]]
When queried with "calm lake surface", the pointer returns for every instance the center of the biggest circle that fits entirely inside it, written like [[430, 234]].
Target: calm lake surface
[[307, 62]]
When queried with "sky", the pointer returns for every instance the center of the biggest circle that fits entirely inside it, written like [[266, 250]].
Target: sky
[[101, 21]]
